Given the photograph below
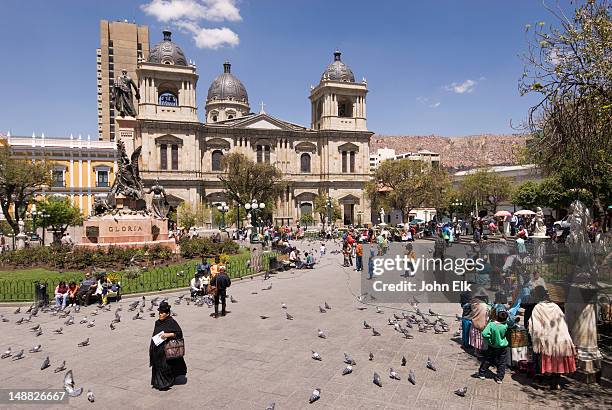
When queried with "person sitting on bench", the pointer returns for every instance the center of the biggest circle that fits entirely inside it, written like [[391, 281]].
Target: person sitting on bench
[[86, 289], [309, 264]]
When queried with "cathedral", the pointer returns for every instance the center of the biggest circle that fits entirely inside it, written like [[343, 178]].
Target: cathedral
[[331, 156]]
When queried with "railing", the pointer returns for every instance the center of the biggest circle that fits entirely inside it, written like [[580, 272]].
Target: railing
[[139, 280]]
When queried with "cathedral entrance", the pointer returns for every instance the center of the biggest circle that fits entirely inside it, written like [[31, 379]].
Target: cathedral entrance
[[348, 214]]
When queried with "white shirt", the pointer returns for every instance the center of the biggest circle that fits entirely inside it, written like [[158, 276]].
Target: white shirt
[[292, 256]]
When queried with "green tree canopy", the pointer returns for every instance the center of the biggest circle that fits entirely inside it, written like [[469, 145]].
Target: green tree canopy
[[569, 66], [62, 214], [406, 184], [190, 216], [485, 188], [20, 181], [549, 192], [320, 207]]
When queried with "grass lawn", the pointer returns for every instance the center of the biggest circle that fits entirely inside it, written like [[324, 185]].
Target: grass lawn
[[19, 285]]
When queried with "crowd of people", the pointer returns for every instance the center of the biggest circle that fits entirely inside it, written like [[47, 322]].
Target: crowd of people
[[83, 293], [211, 282]]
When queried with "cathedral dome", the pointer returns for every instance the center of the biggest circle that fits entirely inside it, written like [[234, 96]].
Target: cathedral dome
[[167, 52], [338, 71], [227, 87]]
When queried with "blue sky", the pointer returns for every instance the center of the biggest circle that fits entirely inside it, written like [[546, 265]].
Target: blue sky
[[433, 67]]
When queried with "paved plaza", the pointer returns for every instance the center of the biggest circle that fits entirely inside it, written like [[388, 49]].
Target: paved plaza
[[245, 362]]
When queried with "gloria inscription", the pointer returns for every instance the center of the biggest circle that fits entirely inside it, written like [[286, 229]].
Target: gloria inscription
[[125, 228]]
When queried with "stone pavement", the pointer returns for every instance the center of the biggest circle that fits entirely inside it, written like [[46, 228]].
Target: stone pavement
[[245, 362]]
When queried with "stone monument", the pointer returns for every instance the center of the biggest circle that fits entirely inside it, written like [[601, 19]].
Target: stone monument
[[582, 289], [20, 239], [123, 218]]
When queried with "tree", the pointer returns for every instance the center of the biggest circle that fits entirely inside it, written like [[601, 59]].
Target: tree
[[320, 207], [307, 219], [407, 184], [485, 188], [20, 180], [549, 192], [190, 216], [527, 195], [62, 214], [244, 180], [569, 66]]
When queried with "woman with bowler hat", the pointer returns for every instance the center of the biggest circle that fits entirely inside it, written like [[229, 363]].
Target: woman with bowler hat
[[164, 371]]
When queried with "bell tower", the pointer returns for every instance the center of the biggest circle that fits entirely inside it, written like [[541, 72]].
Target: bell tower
[[338, 102]]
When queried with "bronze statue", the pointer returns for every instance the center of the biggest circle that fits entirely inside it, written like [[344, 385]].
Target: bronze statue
[[159, 203], [122, 95], [127, 180]]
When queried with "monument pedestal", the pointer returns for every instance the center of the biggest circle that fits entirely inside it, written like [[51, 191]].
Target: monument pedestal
[[20, 240], [132, 229]]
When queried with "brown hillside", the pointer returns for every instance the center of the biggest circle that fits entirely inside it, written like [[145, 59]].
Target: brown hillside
[[457, 152]]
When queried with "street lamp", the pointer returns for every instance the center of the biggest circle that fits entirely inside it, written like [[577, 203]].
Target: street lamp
[[223, 208], [44, 216], [254, 207], [456, 205]]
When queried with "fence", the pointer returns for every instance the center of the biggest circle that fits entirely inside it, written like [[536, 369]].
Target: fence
[[139, 280]]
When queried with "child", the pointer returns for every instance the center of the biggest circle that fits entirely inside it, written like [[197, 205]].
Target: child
[[322, 249], [495, 335]]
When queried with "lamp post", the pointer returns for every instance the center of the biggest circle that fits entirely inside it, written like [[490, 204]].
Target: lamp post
[[359, 213], [44, 216], [329, 211], [254, 207], [223, 208], [456, 204]]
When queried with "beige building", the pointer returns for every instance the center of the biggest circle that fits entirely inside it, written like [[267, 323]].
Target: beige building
[[332, 156], [382, 154], [121, 45]]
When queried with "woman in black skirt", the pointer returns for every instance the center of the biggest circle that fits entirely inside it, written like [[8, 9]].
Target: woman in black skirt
[[163, 371]]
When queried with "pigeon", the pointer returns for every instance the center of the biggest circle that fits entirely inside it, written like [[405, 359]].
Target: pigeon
[[6, 354], [17, 311], [35, 328], [36, 349], [316, 395], [321, 334], [232, 300], [152, 314], [347, 370], [92, 323], [30, 309], [422, 328], [375, 332], [29, 319], [379, 310], [407, 334], [117, 318], [403, 360], [362, 308], [19, 355], [264, 316], [77, 308], [70, 321], [60, 368], [437, 329], [390, 322], [349, 360], [84, 343], [46, 363], [371, 356], [40, 332], [20, 321], [397, 317], [321, 310], [69, 385], [283, 306], [397, 327], [316, 356], [137, 316], [5, 319], [411, 377], [84, 320], [112, 326], [376, 380], [418, 312], [327, 306], [90, 396], [288, 316], [431, 312], [268, 288], [94, 313], [271, 406], [393, 374], [366, 326], [430, 364], [461, 392], [59, 331]]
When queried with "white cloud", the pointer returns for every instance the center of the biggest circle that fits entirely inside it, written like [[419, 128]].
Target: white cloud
[[435, 105], [189, 14], [460, 88], [212, 38], [426, 101], [210, 10]]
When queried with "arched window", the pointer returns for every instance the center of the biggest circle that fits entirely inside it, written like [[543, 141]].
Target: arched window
[[305, 162], [217, 156], [168, 98], [214, 118]]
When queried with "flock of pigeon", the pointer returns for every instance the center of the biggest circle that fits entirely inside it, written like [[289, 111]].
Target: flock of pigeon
[[419, 320]]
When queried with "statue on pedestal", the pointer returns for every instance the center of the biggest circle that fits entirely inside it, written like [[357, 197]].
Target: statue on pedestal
[[159, 202], [122, 95], [382, 215], [539, 227]]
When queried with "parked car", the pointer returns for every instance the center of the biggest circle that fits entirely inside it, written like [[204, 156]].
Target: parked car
[[562, 224]]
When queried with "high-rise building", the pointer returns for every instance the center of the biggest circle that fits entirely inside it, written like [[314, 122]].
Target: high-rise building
[[122, 44]]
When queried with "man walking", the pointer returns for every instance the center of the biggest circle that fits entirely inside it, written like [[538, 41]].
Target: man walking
[[220, 283]]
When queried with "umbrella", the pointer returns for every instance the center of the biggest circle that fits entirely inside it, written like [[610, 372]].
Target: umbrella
[[416, 221], [503, 213], [524, 212]]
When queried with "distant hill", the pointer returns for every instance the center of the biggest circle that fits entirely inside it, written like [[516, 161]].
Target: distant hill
[[457, 153]]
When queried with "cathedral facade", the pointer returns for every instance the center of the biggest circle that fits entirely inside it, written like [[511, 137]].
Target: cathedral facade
[[330, 157]]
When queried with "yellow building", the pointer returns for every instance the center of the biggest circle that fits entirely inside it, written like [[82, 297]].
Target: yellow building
[[82, 169]]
